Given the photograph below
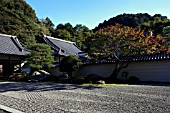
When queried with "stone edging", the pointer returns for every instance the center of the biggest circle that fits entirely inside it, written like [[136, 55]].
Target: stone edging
[[8, 109]]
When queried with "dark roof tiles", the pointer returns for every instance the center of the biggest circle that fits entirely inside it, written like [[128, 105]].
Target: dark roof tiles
[[10, 45], [62, 47], [147, 57]]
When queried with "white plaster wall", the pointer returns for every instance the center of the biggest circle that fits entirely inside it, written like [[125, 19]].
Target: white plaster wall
[[54, 71], [158, 71], [103, 70]]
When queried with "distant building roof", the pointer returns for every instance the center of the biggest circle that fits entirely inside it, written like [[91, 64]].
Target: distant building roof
[[10, 45], [63, 47]]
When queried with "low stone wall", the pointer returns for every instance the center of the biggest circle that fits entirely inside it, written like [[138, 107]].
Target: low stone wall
[[154, 71]]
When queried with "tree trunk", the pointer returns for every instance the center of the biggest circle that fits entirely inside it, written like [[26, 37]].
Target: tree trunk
[[119, 65], [70, 75]]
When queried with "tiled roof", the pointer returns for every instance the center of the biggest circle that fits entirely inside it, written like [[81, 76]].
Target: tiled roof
[[142, 58], [152, 57], [10, 45], [62, 47]]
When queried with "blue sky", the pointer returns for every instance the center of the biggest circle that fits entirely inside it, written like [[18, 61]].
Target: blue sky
[[92, 12]]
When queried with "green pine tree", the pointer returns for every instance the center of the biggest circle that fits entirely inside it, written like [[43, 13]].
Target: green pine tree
[[40, 55]]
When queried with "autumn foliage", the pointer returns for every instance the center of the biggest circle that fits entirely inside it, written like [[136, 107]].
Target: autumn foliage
[[126, 40]]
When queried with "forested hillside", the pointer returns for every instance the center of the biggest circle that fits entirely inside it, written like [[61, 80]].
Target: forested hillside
[[145, 21], [78, 34], [19, 19]]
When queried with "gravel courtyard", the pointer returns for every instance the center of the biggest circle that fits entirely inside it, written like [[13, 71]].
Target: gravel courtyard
[[59, 98]]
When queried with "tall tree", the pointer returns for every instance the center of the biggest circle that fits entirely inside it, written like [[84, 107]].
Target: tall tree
[[40, 55], [26, 40], [166, 32], [19, 19], [68, 27], [62, 34], [142, 20], [69, 64], [77, 34], [166, 35], [47, 22], [80, 35], [120, 41]]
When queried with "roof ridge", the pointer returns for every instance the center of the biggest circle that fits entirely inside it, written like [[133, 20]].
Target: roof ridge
[[59, 39], [11, 45], [60, 45], [14, 39], [6, 35], [51, 43]]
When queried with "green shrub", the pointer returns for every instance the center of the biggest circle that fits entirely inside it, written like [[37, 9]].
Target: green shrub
[[79, 80], [69, 64]]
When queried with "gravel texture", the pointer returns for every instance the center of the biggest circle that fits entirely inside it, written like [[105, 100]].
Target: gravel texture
[[61, 98]]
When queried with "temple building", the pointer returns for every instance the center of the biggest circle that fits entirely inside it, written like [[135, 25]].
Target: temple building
[[11, 54], [63, 48]]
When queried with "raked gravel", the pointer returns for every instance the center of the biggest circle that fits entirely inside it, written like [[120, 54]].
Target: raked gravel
[[63, 98]]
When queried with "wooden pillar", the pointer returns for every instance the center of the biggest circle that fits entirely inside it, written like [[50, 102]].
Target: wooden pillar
[[1, 70], [59, 58], [19, 64], [6, 66], [9, 64]]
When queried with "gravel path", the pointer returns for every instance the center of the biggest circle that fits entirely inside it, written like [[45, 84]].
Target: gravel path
[[59, 98]]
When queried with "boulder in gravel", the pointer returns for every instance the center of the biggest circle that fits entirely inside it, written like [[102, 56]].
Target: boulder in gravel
[[100, 82]]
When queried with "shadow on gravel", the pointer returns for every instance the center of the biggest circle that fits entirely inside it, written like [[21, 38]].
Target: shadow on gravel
[[44, 86]]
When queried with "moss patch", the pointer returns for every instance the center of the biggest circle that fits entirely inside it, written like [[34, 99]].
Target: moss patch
[[104, 84]]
